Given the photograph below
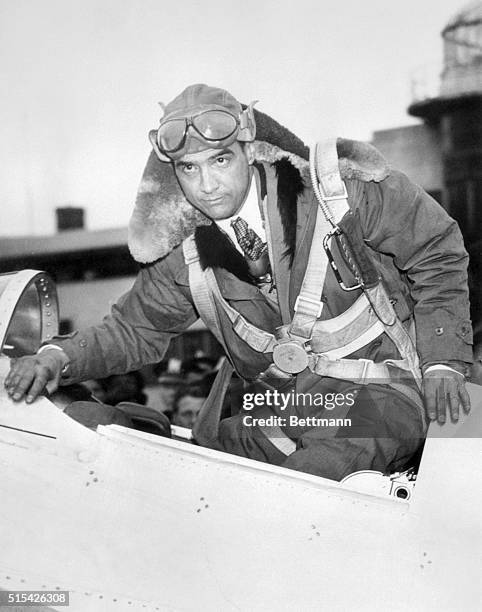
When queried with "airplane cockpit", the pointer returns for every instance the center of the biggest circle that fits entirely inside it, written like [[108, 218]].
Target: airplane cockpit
[[101, 514]]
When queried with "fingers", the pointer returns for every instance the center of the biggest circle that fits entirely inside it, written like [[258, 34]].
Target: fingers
[[53, 384], [445, 393], [18, 382], [27, 377], [11, 373], [453, 400], [39, 383], [458, 397], [441, 403], [430, 397], [464, 398]]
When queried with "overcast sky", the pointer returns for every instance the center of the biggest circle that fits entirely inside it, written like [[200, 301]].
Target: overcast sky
[[81, 80]]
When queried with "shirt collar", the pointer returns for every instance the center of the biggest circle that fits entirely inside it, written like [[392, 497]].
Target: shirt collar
[[250, 212]]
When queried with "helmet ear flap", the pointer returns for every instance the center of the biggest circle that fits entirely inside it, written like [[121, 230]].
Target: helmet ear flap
[[247, 127], [155, 146]]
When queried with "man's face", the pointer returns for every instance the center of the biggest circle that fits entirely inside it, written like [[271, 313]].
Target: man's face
[[215, 181], [188, 408], [168, 393]]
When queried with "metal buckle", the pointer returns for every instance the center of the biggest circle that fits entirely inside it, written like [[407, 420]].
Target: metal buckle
[[343, 196], [306, 299], [290, 357], [331, 260], [366, 365]]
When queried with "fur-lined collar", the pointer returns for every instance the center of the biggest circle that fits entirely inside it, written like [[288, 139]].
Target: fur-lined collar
[[163, 218]]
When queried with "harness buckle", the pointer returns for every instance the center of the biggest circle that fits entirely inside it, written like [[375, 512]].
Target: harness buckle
[[366, 364], [317, 303], [291, 357], [341, 196], [331, 259]]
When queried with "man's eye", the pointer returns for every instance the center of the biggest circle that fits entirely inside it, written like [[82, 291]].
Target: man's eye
[[222, 161], [188, 168]]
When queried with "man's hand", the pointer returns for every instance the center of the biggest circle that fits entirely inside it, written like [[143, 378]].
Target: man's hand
[[32, 374], [444, 389]]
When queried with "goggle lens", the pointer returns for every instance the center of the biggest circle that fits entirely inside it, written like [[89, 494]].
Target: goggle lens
[[215, 125], [170, 136], [211, 125]]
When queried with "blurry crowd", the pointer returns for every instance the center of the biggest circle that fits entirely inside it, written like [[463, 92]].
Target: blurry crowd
[[171, 394], [181, 388]]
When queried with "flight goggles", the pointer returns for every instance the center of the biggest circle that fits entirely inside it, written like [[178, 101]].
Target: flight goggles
[[212, 125]]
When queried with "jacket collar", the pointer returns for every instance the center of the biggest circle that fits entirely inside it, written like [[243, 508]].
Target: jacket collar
[[163, 218]]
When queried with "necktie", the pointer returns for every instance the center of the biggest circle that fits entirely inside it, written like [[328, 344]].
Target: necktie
[[254, 249], [252, 245]]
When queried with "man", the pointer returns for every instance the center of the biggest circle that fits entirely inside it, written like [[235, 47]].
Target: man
[[336, 383], [187, 404], [161, 396]]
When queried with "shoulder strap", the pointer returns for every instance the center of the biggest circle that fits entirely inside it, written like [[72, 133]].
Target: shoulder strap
[[332, 199], [329, 190], [201, 293], [206, 295]]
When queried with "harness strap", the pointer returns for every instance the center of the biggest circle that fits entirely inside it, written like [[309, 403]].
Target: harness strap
[[258, 339], [278, 438], [363, 339], [308, 305], [206, 428], [347, 332], [395, 330], [362, 371], [325, 157], [330, 190], [204, 287], [366, 371], [206, 295], [201, 294]]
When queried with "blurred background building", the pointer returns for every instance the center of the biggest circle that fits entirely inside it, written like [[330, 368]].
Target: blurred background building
[[442, 154]]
